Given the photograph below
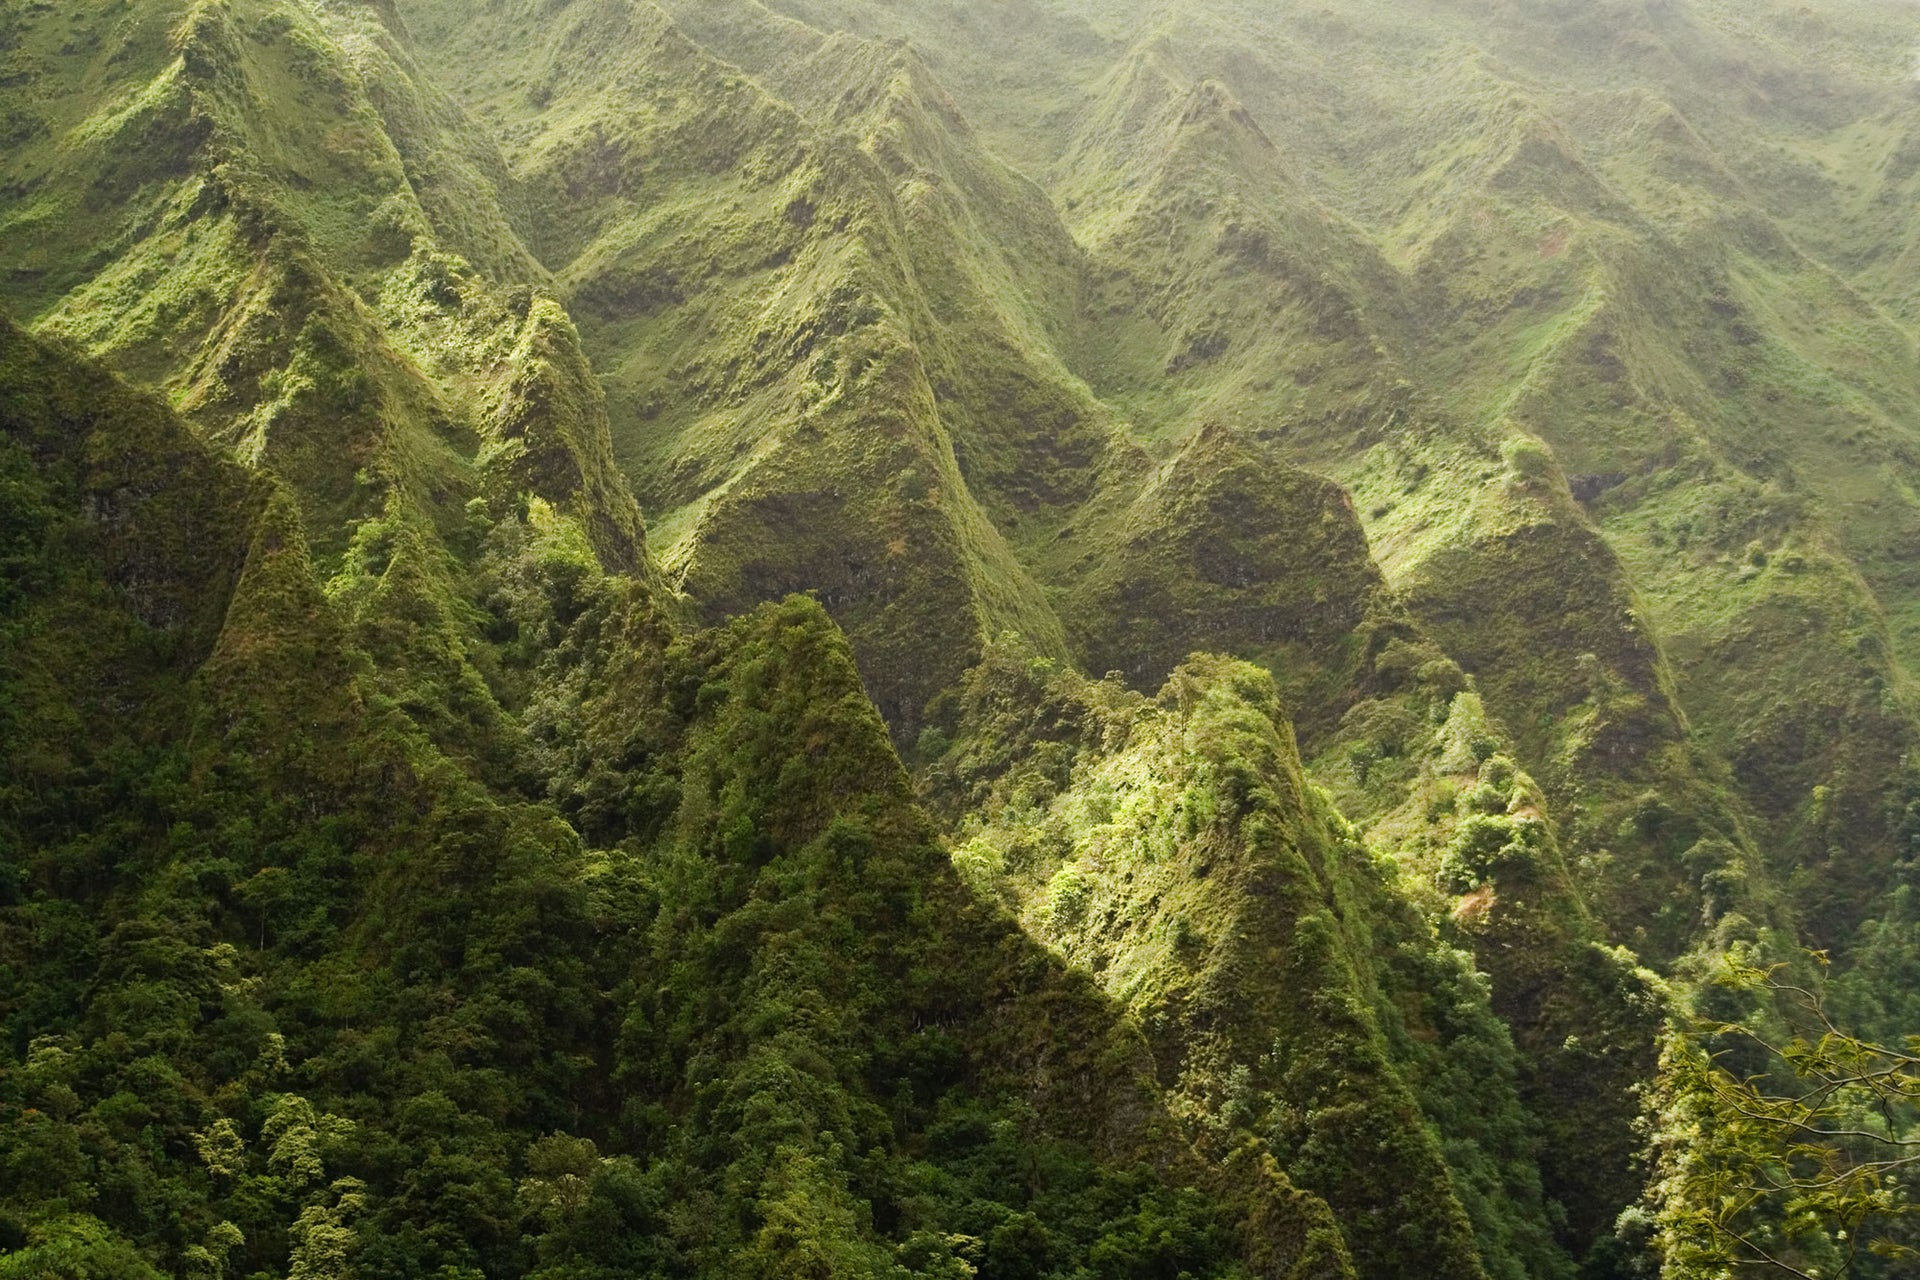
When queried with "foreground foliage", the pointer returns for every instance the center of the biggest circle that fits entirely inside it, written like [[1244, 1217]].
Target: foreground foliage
[[1787, 1156]]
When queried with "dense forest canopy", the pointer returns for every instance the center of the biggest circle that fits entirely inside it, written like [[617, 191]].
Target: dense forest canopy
[[1021, 639]]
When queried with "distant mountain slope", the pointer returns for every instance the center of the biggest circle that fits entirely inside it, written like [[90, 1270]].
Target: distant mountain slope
[[1657, 237]]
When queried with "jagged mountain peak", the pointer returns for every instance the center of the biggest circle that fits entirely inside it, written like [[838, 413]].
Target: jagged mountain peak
[[1210, 101]]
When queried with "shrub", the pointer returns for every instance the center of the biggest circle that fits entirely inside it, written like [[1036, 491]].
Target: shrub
[[1528, 457]]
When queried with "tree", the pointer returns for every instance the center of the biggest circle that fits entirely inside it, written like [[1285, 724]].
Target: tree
[[76, 1247], [1800, 1166], [324, 1239]]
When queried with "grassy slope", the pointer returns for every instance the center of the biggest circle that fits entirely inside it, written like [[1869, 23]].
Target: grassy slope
[[759, 285]]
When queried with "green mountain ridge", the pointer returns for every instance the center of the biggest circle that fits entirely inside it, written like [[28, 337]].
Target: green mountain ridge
[[426, 932], [1475, 445]]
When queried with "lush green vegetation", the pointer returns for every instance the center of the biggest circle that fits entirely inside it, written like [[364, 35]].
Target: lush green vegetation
[[1785, 1142], [290, 992], [1237, 604]]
